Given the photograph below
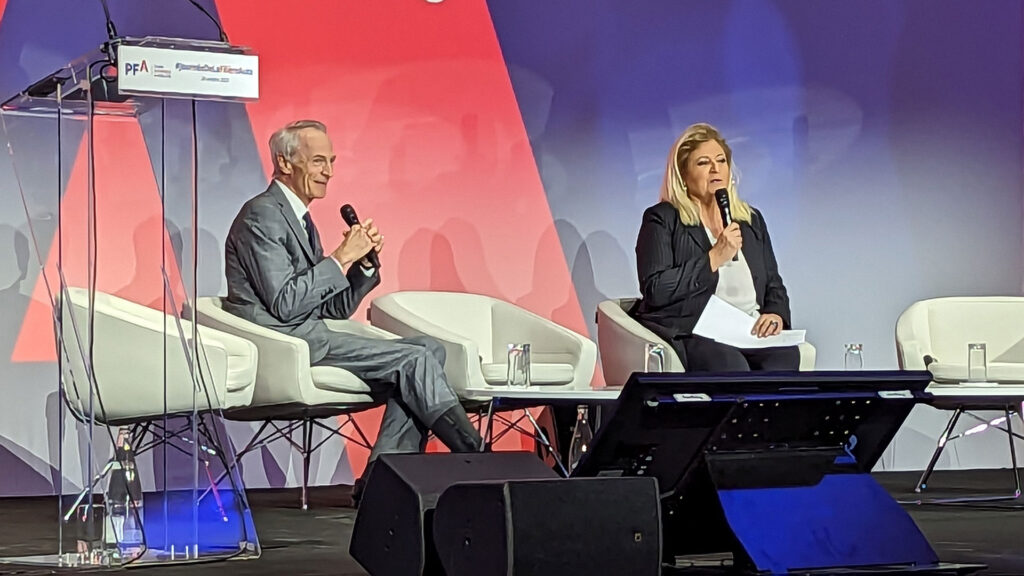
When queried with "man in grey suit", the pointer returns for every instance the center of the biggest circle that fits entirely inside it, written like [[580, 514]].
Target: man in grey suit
[[279, 277]]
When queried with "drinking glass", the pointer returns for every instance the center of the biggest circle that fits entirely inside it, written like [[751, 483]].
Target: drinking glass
[[977, 362], [518, 365]]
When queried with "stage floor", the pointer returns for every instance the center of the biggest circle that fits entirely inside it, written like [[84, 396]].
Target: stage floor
[[316, 542]]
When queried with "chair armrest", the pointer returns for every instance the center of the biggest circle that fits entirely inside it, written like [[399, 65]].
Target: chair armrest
[[283, 365], [913, 337], [623, 342], [808, 356], [212, 364], [153, 377], [462, 366], [911, 355]]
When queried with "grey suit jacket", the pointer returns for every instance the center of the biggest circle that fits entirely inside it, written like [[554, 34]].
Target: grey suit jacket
[[276, 279]]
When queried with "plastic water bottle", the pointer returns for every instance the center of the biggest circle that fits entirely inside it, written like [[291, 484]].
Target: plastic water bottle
[[582, 436], [116, 501], [124, 497]]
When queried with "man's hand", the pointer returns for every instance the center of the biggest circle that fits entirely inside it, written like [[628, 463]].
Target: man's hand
[[354, 245], [375, 237]]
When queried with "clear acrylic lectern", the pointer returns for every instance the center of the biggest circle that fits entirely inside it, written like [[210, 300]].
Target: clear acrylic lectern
[[105, 154]]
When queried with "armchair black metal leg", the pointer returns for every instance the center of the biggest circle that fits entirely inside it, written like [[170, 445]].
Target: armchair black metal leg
[[254, 442], [542, 437], [969, 500], [365, 441], [307, 448], [1013, 453], [489, 436], [940, 445]]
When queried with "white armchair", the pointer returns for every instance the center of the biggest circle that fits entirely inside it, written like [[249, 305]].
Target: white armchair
[[289, 389], [476, 331], [135, 348], [285, 377], [933, 335], [623, 342], [144, 369]]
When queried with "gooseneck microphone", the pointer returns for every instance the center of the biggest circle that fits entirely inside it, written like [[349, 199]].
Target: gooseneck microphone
[[348, 214], [722, 198], [220, 29]]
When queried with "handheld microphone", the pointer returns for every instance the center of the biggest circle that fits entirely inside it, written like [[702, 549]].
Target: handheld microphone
[[722, 198], [348, 214]]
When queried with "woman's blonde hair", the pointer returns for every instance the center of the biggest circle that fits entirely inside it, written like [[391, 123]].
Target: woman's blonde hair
[[673, 189]]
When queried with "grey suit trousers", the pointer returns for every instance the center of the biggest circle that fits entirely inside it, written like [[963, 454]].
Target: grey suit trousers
[[411, 370]]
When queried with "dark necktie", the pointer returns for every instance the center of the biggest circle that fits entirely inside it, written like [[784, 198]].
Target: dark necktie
[[310, 230]]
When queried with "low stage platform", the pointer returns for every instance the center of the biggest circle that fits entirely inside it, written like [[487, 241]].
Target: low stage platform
[[316, 542]]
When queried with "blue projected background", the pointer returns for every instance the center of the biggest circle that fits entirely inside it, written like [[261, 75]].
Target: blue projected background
[[881, 140]]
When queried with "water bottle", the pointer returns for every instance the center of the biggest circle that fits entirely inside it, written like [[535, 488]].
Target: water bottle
[[582, 436], [124, 497], [116, 498], [854, 358]]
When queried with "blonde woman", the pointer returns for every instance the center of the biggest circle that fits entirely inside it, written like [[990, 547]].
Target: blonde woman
[[685, 254]]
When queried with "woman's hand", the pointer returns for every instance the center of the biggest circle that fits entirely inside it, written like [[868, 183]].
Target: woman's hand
[[767, 325], [729, 242]]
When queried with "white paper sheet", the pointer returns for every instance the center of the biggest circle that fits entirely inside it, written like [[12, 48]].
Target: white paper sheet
[[723, 322]]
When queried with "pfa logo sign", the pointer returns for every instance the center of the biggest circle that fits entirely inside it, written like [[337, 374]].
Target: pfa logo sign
[[133, 68]]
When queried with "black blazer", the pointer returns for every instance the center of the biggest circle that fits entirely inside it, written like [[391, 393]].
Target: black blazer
[[675, 274]]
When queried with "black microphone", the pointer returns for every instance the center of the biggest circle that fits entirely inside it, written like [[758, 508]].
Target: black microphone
[[348, 214], [111, 30], [722, 197]]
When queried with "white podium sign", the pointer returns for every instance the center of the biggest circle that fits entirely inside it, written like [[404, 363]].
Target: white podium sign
[[147, 70]]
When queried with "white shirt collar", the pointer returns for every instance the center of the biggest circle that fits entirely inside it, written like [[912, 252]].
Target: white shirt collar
[[298, 207]]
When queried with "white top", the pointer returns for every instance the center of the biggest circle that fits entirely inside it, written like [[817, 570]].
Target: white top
[[735, 284]]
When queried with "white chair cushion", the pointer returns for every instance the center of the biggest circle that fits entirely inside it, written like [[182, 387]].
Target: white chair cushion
[[540, 374], [1004, 372], [337, 380]]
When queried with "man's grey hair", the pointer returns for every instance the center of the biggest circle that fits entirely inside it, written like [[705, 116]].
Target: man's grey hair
[[285, 142]]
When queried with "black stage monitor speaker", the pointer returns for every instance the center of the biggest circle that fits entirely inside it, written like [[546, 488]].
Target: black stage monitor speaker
[[550, 527], [392, 535]]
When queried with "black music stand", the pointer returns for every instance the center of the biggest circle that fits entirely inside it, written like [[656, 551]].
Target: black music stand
[[773, 467]]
